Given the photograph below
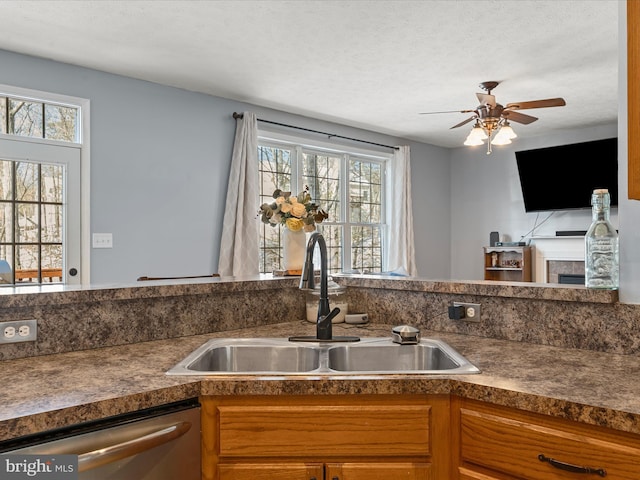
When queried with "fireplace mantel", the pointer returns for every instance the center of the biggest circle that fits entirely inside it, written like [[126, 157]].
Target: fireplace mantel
[[569, 248]]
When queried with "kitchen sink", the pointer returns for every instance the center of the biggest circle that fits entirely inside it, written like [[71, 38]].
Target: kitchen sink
[[279, 356], [426, 356], [256, 358]]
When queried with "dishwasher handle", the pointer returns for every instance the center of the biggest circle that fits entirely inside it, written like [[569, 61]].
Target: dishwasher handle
[[113, 453]]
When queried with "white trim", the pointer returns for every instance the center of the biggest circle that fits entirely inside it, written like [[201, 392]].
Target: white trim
[[547, 249]]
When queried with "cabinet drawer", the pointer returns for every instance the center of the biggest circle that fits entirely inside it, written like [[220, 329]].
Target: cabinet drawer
[[310, 430], [515, 445], [379, 471], [272, 471]]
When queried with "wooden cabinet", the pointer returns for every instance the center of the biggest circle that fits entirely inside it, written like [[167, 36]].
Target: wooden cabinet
[[326, 437], [509, 264], [498, 443], [633, 99]]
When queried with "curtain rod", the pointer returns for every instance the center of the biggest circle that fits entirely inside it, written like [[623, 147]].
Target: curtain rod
[[330, 135]]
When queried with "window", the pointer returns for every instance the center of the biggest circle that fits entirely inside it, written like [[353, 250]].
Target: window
[[347, 184], [40, 184], [28, 118]]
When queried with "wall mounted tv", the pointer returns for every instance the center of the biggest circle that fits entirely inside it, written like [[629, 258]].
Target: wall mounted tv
[[563, 177]]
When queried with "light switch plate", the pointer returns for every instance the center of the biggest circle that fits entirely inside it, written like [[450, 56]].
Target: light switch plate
[[102, 240]]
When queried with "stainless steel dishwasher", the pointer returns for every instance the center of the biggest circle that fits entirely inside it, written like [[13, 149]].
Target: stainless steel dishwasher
[[160, 443]]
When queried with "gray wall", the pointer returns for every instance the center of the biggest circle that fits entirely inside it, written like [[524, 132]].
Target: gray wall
[[160, 161]]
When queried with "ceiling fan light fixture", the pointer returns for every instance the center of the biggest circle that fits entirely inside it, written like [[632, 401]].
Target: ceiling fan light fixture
[[508, 131], [477, 134], [502, 137], [472, 142]]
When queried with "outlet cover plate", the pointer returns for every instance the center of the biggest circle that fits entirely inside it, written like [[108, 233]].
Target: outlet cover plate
[[476, 311], [23, 331]]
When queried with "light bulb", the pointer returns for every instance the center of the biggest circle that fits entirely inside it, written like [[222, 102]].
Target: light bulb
[[477, 132], [472, 141], [502, 137], [506, 128]]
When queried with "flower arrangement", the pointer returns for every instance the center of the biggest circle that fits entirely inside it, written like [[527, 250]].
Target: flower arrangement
[[294, 212]]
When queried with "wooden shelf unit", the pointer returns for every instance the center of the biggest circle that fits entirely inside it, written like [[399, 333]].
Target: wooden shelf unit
[[509, 264]]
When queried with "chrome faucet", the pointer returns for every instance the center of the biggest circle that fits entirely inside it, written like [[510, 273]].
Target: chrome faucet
[[307, 282]]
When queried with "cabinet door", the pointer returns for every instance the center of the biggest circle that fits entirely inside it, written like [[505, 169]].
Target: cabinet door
[[270, 471], [378, 471]]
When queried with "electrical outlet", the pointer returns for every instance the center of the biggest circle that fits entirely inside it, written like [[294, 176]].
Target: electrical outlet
[[471, 311], [19, 331]]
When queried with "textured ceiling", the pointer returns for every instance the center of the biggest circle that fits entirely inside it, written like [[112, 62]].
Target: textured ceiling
[[369, 64]]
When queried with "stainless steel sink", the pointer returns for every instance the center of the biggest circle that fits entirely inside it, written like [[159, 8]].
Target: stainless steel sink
[[279, 356], [429, 356]]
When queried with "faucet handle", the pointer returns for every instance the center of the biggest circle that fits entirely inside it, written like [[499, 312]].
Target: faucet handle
[[330, 315]]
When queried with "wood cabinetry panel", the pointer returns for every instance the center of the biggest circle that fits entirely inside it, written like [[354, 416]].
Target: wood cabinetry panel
[[271, 471], [326, 430], [511, 442], [379, 471], [633, 97]]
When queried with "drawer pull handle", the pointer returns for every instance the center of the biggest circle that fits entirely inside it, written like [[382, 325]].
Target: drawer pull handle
[[571, 468]]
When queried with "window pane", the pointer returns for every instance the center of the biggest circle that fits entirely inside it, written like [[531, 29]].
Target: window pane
[[274, 165], [6, 180], [51, 176], [271, 250], [51, 263], [27, 263], [51, 223], [60, 122], [6, 269], [366, 249], [322, 174], [27, 223], [365, 192], [6, 219], [25, 118], [3, 114], [275, 169], [333, 237], [26, 182]]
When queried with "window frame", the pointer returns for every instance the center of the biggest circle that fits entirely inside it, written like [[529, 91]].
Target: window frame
[[299, 145], [76, 238]]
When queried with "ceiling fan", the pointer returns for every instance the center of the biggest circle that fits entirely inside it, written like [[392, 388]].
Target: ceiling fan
[[492, 118]]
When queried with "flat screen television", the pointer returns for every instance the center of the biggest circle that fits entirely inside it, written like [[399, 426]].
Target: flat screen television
[[564, 177]]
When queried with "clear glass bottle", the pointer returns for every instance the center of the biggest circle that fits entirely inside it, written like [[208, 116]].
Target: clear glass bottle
[[601, 245]]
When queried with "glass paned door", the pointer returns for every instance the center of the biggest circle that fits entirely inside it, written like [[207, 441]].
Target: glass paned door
[[39, 213], [32, 217]]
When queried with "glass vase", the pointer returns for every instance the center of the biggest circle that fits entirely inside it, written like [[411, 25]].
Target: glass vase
[[294, 245]]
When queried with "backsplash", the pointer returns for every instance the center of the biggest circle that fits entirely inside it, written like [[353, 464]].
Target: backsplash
[[81, 319], [564, 316]]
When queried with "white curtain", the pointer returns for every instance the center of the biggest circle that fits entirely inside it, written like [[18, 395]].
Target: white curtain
[[239, 251], [402, 258]]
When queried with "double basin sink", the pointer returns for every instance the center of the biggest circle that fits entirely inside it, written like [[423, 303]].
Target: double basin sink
[[279, 356]]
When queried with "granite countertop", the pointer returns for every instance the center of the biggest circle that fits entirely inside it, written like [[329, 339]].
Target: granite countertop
[[45, 392]]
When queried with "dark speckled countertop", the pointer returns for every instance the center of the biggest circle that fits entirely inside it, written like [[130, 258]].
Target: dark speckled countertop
[[45, 392]]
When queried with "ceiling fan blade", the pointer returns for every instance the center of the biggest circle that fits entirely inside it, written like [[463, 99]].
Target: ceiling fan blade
[[518, 117], [549, 102], [486, 99], [447, 111], [464, 122]]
